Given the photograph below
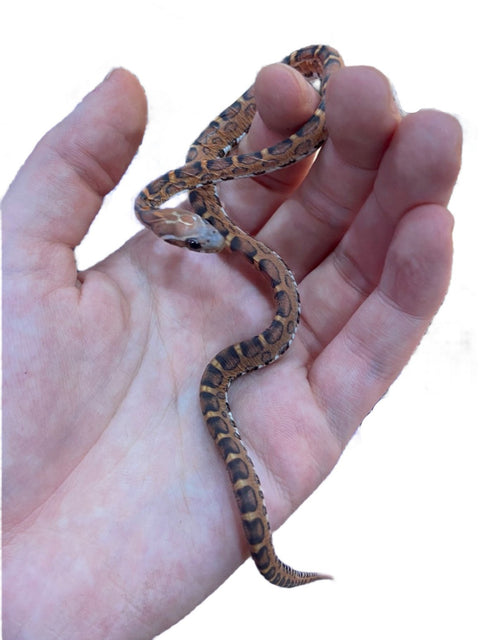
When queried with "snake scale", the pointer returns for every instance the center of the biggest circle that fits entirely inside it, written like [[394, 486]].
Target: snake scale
[[208, 228]]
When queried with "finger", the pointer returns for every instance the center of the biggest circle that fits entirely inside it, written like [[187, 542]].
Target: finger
[[60, 188], [285, 101], [420, 166], [358, 366], [361, 119]]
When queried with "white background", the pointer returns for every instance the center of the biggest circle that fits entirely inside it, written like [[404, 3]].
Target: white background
[[397, 522]]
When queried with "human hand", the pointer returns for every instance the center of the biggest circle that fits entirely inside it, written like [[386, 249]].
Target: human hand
[[118, 514]]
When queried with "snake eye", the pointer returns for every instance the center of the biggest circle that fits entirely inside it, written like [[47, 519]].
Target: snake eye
[[193, 244]]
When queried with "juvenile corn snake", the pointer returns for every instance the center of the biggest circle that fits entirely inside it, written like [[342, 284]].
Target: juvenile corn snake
[[209, 229]]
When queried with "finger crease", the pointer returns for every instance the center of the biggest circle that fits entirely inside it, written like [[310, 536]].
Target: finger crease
[[324, 209]]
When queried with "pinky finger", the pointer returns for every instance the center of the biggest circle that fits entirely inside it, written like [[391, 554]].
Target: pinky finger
[[356, 369]]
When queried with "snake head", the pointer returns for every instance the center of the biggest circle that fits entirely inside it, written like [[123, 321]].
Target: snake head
[[184, 229]]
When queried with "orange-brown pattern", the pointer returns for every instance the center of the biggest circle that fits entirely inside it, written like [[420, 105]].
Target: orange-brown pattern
[[209, 229]]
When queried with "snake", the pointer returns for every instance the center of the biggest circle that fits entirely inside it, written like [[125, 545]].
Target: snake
[[206, 227]]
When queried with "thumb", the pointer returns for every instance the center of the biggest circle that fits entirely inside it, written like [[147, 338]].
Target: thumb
[[59, 190]]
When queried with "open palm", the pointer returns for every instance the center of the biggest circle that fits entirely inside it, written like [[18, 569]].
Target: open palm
[[118, 515]]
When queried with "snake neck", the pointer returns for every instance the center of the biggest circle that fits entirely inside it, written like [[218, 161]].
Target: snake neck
[[269, 345]]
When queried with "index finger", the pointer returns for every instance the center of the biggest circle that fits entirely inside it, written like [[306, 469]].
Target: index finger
[[284, 101]]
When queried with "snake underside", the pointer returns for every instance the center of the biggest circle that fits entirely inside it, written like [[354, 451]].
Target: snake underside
[[208, 228]]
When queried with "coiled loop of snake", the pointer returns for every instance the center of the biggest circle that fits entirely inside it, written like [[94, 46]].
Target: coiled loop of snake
[[209, 229]]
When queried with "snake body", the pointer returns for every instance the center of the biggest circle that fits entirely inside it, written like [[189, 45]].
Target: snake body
[[209, 229]]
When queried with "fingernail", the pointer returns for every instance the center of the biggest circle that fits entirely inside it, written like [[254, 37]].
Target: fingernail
[[107, 77]]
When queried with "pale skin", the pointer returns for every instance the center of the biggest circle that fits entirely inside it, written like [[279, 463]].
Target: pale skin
[[118, 514]]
